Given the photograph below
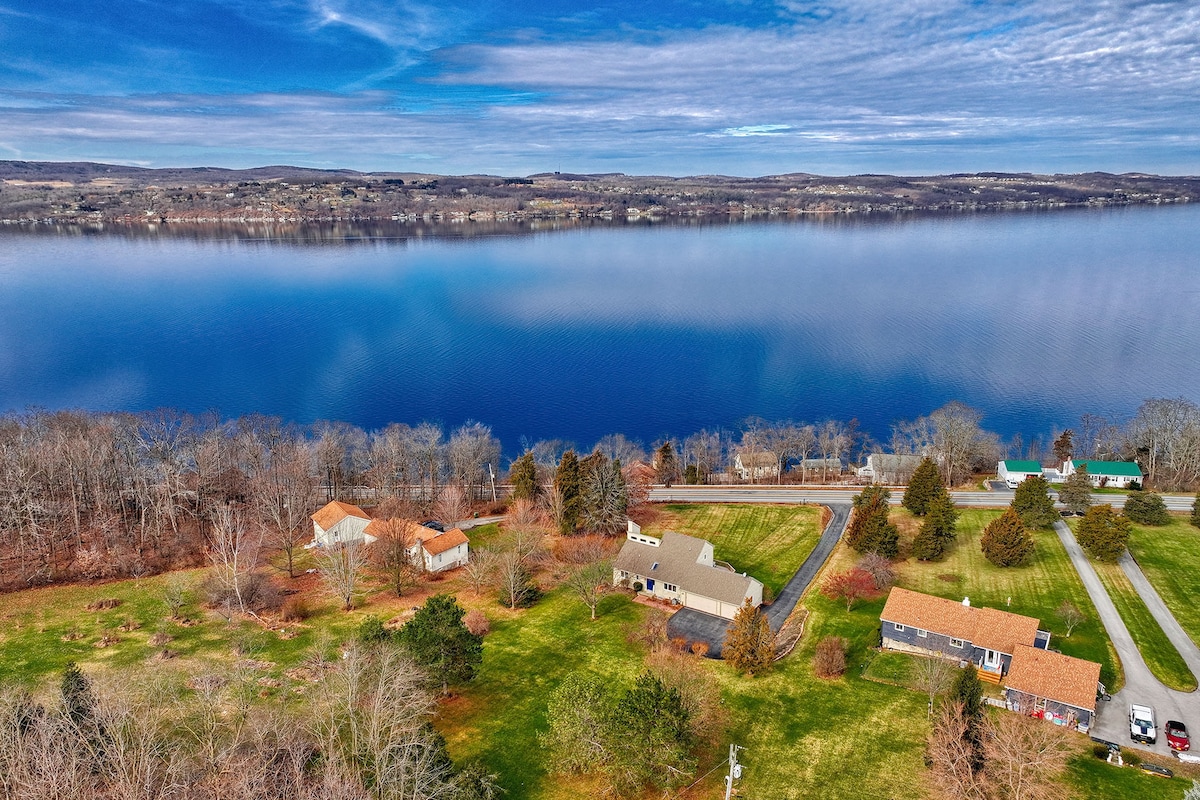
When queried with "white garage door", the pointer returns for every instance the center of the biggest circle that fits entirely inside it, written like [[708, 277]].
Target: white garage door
[[700, 603]]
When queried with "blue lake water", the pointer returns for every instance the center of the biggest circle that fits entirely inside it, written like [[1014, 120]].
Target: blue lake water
[[1034, 318]]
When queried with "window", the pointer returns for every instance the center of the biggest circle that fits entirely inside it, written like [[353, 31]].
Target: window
[[624, 574], [922, 633], [670, 587], [898, 626], [956, 643]]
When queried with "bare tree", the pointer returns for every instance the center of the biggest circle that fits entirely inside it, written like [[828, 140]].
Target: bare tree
[[453, 506], [590, 583], [616, 447], [284, 494], [480, 570], [952, 758], [1025, 757], [932, 675], [1070, 616], [473, 447], [392, 553], [341, 568], [233, 554]]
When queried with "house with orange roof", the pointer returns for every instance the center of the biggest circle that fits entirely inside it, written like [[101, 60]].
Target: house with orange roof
[[1052, 686], [428, 549], [340, 523], [921, 623]]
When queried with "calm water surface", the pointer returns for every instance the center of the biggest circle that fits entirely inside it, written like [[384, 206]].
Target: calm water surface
[[1033, 318]]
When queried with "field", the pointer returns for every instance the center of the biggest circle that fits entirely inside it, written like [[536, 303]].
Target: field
[[1170, 557], [804, 736], [1036, 589]]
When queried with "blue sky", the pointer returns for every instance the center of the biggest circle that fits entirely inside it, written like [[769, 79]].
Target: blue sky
[[676, 87]]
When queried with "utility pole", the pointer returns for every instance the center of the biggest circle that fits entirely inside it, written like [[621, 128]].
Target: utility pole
[[492, 475], [735, 770]]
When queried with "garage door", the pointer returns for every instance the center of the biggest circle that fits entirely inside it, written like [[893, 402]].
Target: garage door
[[700, 603]]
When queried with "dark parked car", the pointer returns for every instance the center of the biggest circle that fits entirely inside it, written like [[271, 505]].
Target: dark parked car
[[1177, 736]]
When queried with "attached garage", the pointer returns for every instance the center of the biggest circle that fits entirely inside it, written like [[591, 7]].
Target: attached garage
[[701, 603]]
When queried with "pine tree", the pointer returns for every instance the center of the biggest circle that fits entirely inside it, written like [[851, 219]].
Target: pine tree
[[870, 505], [749, 644], [937, 532], [667, 465], [1147, 508], [523, 475], [880, 536], [568, 482], [967, 694], [1076, 493], [1104, 533], [1064, 446], [438, 640], [1005, 542], [926, 482], [1032, 502]]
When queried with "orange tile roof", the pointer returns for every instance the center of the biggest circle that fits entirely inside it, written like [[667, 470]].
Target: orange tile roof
[[335, 512], [445, 541], [988, 628], [1054, 676]]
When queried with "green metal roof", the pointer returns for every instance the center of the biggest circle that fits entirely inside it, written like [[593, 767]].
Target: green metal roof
[[1031, 467], [1124, 469]]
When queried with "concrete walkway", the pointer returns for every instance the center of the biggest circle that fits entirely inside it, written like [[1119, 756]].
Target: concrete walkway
[[696, 626], [1162, 615], [1112, 721]]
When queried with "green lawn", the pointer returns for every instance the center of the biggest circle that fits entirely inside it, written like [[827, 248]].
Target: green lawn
[[766, 541], [1170, 557], [1093, 778], [1036, 589]]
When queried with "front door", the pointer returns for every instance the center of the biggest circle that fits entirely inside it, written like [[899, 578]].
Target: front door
[[991, 659], [649, 584]]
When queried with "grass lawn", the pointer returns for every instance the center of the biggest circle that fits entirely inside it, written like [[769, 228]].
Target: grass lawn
[[1036, 589], [1093, 778], [1170, 557], [765, 541]]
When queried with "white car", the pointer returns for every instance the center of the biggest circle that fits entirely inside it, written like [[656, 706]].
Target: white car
[[1141, 724]]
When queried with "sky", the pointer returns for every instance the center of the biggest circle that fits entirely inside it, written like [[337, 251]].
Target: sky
[[669, 87]]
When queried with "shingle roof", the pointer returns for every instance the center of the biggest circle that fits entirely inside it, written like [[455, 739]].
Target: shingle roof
[[1124, 469], [1054, 676], [676, 561], [988, 628], [1032, 467], [442, 542], [758, 458], [336, 511], [405, 528]]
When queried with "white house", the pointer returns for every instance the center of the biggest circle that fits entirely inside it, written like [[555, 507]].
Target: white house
[[753, 465], [340, 523], [1117, 474], [1013, 472], [890, 468], [681, 569], [429, 549]]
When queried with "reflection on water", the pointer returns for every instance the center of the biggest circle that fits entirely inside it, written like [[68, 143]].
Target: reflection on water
[[645, 329]]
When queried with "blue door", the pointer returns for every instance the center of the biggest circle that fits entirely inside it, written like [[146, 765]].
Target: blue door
[[649, 584]]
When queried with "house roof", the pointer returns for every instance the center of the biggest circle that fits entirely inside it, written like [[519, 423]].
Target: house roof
[[988, 628], [894, 461], [676, 561], [1122, 469], [758, 458], [1032, 467], [1064, 679], [444, 541], [336, 511], [406, 528]]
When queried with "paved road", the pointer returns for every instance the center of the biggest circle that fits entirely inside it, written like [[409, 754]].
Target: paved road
[[1162, 615], [1140, 684], [695, 626], [794, 494]]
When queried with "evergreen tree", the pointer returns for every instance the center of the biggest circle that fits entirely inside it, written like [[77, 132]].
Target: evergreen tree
[[1005, 542], [1104, 533], [568, 482], [749, 644], [1196, 511], [870, 531], [523, 475], [667, 465], [1076, 493], [438, 640], [937, 533], [1032, 502], [659, 755], [1147, 508], [1064, 446], [966, 693], [926, 482]]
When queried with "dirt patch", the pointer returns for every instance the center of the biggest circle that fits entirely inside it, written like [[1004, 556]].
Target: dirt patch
[[103, 605]]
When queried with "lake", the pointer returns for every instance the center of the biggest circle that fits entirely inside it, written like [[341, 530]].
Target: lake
[[649, 330]]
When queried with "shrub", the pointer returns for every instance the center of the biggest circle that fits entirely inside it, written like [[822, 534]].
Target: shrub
[[477, 622], [881, 570], [829, 661], [1005, 542], [1131, 757], [1100, 751], [295, 609], [1032, 502], [371, 630]]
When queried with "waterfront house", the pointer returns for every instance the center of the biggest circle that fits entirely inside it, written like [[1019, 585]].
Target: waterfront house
[[890, 468], [1013, 472], [681, 569], [428, 548], [1117, 474], [753, 465]]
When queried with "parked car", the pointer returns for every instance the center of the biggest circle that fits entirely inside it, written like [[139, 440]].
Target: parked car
[[1141, 724], [1177, 736]]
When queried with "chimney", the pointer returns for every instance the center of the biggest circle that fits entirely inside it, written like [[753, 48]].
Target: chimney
[[967, 602]]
